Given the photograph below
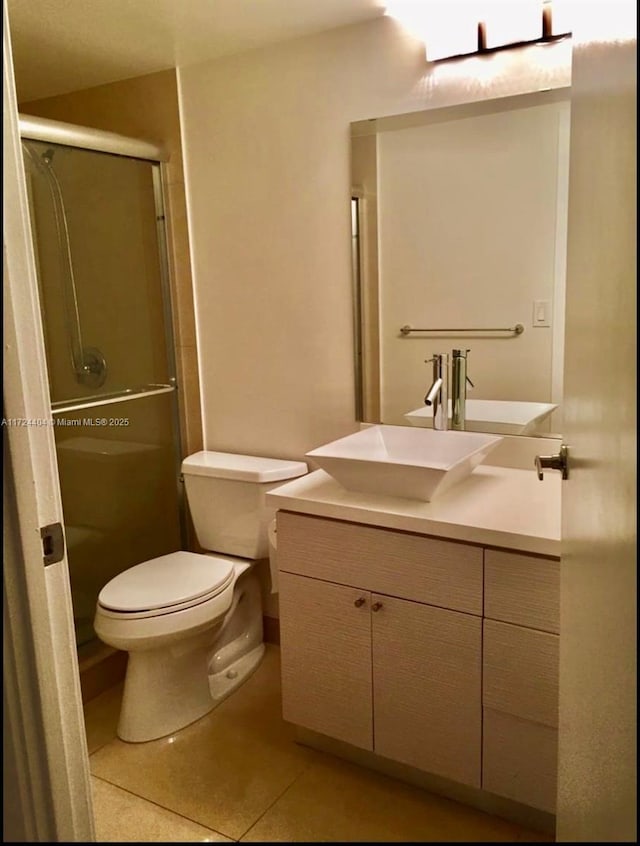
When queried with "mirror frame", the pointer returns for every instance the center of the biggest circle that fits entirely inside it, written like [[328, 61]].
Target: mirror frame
[[366, 309]]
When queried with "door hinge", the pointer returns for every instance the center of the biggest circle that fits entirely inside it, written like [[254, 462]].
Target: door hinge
[[52, 543]]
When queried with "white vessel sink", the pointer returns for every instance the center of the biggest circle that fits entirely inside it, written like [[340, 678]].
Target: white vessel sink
[[504, 416], [402, 461]]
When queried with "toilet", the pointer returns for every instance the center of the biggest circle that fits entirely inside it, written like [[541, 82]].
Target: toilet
[[192, 622]]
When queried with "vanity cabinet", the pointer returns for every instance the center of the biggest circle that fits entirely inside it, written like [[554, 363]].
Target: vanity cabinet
[[381, 641], [438, 654]]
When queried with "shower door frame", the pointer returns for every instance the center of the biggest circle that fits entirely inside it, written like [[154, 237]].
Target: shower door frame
[[99, 141]]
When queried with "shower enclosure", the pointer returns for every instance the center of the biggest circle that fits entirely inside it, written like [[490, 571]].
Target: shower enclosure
[[100, 245]]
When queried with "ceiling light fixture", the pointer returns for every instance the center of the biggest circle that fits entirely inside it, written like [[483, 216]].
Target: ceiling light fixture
[[455, 28]]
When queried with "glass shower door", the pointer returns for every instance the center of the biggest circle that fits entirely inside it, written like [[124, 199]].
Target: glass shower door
[[98, 232]]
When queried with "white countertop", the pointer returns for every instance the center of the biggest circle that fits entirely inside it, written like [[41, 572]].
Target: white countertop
[[495, 506]]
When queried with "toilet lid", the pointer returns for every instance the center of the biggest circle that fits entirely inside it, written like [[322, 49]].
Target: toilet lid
[[177, 579]]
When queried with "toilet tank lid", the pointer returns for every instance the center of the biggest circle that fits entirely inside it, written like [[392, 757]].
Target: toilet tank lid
[[244, 468]]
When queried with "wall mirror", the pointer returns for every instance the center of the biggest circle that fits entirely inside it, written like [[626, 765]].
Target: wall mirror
[[459, 219]]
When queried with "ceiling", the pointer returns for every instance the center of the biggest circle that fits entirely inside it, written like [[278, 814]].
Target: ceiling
[[67, 45]]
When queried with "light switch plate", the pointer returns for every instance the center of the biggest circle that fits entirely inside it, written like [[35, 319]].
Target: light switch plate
[[541, 313]]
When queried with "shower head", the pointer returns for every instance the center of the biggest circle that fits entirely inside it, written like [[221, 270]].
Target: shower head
[[47, 156]]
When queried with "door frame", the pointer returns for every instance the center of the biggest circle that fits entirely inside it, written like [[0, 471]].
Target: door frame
[[47, 779]]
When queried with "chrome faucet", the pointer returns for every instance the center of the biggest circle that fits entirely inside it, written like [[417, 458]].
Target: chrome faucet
[[438, 394], [459, 381]]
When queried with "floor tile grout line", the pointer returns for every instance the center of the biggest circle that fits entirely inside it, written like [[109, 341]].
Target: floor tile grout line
[[162, 807], [100, 748], [308, 766]]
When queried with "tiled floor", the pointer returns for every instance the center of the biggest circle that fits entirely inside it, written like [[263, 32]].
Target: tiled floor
[[238, 775]]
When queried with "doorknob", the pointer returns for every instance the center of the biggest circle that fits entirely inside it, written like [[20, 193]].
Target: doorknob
[[554, 462]]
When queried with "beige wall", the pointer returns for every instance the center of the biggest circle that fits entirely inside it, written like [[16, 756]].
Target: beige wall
[[266, 144], [147, 108]]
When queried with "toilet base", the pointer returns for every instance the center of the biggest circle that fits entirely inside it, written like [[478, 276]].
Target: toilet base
[[187, 701], [223, 683], [165, 689], [168, 688]]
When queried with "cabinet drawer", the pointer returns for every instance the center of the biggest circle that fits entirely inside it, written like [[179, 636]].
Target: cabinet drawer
[[520, 672], [401, 564], [520, 760], [522, 589]]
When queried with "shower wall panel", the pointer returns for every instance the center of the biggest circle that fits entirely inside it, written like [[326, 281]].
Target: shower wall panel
[[96, 227], [109, 217]]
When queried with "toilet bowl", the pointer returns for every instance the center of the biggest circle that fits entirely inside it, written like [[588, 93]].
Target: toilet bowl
[[192, 622]]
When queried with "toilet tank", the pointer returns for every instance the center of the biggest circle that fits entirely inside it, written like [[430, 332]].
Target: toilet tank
[[225, 494]]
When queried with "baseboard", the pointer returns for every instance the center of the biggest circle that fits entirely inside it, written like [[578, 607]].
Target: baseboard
[[100, 669], [271, 628], [498, 806]]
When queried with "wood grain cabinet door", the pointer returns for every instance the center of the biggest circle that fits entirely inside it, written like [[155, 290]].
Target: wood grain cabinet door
[[325, 648], [427, 687]]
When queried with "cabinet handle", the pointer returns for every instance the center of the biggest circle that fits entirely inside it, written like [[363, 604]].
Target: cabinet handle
[[376, 606], [359, 602]]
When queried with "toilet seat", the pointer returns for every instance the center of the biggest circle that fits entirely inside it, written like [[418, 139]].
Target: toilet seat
[[166, 584]]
